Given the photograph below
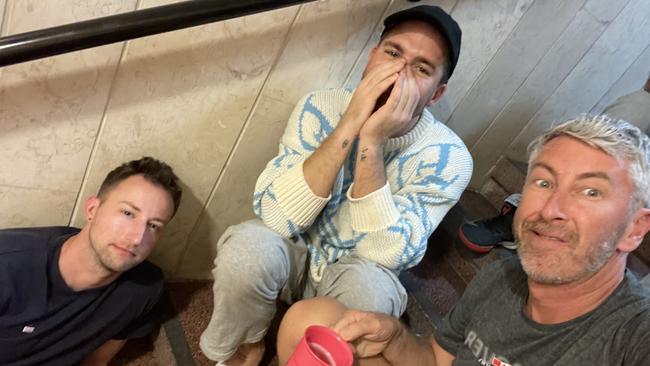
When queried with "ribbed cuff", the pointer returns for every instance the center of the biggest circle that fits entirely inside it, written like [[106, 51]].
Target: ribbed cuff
[[296, 199], [374, 211]]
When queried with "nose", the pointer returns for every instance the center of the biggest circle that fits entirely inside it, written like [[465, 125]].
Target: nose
[[136, 234], [555, 205]]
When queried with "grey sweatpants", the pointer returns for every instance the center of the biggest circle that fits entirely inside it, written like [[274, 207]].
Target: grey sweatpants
[[255, 266]]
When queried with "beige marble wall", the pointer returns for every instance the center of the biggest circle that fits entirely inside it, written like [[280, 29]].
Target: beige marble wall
[[620, 44], [3, 4], [183, 97], [486, 25], [213, 100], [50, 112]]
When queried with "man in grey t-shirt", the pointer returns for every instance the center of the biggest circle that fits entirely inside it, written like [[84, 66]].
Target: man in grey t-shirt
[[567, 298]]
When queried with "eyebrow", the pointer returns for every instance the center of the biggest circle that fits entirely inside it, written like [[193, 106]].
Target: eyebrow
[[417, 58], [586, 175], [136, 208]]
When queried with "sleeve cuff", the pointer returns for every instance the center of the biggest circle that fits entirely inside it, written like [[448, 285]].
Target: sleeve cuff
[[296, 199], [375, 211]]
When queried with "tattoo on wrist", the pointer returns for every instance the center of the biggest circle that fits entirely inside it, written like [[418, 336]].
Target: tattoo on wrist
[[345, 143], [363, 154]]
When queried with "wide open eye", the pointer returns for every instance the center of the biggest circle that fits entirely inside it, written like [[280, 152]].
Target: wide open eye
[[592, 192], [542, 183]]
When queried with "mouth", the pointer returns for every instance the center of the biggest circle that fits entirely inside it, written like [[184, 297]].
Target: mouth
[[124, 251], [544, 233], [549, 237]]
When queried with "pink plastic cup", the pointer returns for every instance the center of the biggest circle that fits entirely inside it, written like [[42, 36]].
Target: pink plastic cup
[[321, 346]]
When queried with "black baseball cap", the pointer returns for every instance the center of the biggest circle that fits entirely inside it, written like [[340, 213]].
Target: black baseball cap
[[438, 18]]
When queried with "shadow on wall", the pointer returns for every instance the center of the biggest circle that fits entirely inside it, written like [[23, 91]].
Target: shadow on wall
[[160, 65], [174, 235]]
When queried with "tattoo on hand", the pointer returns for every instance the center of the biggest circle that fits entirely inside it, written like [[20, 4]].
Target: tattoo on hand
[[345, 143]]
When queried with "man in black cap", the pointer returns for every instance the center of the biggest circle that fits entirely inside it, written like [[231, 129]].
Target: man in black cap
[[360, 182]]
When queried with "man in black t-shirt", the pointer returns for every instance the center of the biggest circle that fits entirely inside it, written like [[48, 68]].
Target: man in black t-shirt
[[566, 299], [73, 296]]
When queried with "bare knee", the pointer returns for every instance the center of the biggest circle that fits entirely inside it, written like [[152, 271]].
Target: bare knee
[[317, 311]]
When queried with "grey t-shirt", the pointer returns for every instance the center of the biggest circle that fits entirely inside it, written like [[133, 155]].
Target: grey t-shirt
[[488, 326]]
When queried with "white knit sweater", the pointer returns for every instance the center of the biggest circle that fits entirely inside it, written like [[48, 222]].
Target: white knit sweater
[[427, 170]]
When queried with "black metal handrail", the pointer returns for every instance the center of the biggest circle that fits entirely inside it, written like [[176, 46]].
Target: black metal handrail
[[121, 27]]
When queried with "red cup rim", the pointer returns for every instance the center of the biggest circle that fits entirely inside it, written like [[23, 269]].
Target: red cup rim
[[348, 352]]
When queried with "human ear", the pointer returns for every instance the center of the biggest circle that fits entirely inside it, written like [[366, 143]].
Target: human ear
[[440, 91], [91, 207], [636, 231]]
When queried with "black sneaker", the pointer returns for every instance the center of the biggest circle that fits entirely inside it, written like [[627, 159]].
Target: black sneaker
[[481, 236]]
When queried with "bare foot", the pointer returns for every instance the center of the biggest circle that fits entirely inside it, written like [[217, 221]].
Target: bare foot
[[248, 354]]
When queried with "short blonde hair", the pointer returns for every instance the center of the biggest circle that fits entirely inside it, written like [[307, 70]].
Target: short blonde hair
[[618, 138]]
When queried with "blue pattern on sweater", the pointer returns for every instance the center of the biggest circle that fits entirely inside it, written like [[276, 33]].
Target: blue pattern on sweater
[[413, 251], [286, 152], [257, 204], [257, 200], [438, 167], [318, 136], [413, 182], [292, 226], [403, 228]]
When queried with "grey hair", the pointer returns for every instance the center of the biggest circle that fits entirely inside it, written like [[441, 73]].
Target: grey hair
[[617, 138]]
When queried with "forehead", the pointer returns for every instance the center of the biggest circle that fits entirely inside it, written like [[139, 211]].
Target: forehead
[[143, 193], [568, 155], [420, 34]]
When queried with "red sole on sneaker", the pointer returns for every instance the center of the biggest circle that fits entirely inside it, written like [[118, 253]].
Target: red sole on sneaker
[[474, 247]]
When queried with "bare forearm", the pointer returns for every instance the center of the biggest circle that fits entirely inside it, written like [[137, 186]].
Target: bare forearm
[[322, 167], [409, 350], [376, 334], [369, 171]]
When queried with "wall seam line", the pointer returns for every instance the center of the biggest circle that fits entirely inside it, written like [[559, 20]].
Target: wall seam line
[[508, 150], [346, 80], [100, 130], [488, 64], [5, 19], [238, 139]]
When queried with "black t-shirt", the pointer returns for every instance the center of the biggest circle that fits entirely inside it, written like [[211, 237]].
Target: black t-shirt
[[44, 322], [488, 325]]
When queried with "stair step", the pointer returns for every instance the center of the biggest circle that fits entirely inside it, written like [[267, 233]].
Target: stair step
[[505, 178], [437, 283]]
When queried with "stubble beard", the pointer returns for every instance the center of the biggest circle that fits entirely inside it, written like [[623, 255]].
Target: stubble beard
[[105, 259], [562, 267]]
